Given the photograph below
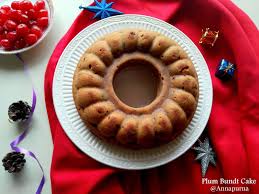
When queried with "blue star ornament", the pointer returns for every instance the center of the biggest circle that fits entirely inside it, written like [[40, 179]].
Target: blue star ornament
[[102, 9]]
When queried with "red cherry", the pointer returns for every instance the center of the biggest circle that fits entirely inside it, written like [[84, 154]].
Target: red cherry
[[12, 36], [22, 30], [1, 22], [26, 5], [10, 25], [3, 14], [19, 44], [32, 23], [43, 22], [7, 8], [15, 5], [42, 13], [6, 44], [25, 12], [36, 30], [32, 14], [2, 36], [24, 18], [1, 30], [31, 39], [15, 14], [40, 4]]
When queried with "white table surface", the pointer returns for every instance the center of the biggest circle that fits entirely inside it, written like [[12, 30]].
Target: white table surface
[[15, 86]]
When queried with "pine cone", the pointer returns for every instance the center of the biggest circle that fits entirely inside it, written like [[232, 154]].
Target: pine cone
[[13, 162], [19, 111]]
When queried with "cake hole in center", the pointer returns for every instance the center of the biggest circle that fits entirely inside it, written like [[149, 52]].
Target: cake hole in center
[[136, 83]]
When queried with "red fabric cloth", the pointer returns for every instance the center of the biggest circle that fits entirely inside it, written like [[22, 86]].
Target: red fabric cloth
[[234, 121]]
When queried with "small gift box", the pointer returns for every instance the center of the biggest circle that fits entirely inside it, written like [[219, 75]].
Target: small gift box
[[225, 70], [209, 37]]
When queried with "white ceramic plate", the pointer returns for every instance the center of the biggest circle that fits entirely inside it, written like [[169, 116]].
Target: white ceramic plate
[[114, 155], [50, 8]]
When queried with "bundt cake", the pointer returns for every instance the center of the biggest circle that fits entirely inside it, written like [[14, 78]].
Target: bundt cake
[[108, 117]]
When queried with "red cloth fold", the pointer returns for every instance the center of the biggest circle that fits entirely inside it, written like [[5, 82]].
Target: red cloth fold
[[234, 121]]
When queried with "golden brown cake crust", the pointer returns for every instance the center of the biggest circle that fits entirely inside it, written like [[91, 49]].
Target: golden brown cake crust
[[111, 119]]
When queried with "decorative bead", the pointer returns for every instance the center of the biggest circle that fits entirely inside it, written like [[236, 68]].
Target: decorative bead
[[209, 37], [225, 70]]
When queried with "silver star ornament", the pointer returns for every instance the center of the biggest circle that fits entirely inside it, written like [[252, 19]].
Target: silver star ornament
[[205, 154]]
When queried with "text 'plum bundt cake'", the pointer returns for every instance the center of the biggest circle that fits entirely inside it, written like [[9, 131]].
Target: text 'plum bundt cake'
[[108, 117]]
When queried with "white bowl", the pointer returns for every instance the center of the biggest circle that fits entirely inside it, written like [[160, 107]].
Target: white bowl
[[50, 8]]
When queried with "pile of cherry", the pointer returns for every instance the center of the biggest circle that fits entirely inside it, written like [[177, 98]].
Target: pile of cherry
[[22, 24]]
